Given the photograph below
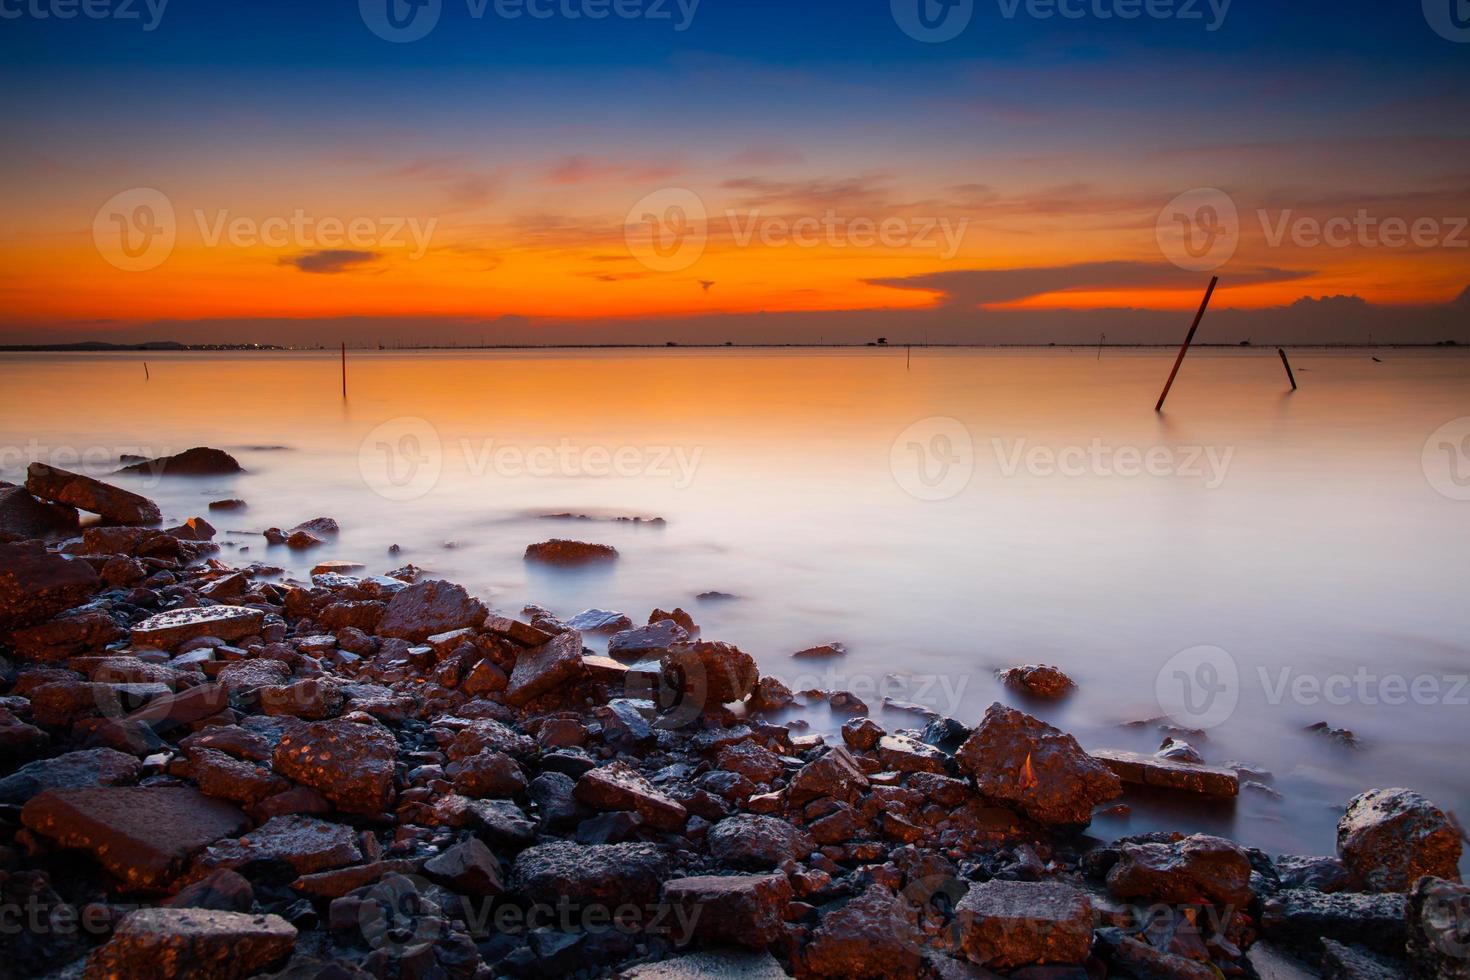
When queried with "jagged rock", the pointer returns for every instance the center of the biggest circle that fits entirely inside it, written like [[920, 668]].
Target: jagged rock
[[74, 770], [303, 845], [600, 621], [1324, 874], [467, 868], [710, 674], [607, 875], [1128, 957], [1390, 837], [562, 552], [227, 778], [1302, 918], [427, 608], [232, 504], [1143, 770], [183, 943], [487, 774], [63, 703], [738, 910], [222, 891], [1340, 962], [754, 842], [351, 764], [194, 529], [751, 760], [1193, 870], [618, 787], [199, 461], [835, 774], [647, 641], [36, 585], [1004, 925], [771, 695], [247, 676], [899, 753], [1438, 922], [19, 742], [312, 699], [547, 668], [1021, 762], [23, 517], [170, 630], [84, 493], [1038, 680], [822, 652], [873, 936], [144, 836]]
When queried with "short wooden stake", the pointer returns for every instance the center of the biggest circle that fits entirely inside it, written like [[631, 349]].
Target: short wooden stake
[[344, 371], [1290, 375], [1188, 339]]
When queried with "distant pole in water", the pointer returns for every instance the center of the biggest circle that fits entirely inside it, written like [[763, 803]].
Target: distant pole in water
[[344, 370], [908, 361], [1290, 375], [1188, 339], [146, 375], [1100, 341]]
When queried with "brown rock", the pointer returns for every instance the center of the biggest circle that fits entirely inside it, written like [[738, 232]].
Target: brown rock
[[199, 461], [618, 787], [487, 774], [304, 844], [351, 764], [1197, 869], [751, 760], [144, 836], [84, 493], [835, 774], [1039, 681], [36, 585], [755, 842], [1143, 770], [170, 630], [1390, 837], [184, 943], [23, 517], [423, 610], [562, 552], [1021, 762], [822, 652], [70, 634], [227, 778], [872, 936], [547, 668], [735, 910], [711, 674], [1004, 925]]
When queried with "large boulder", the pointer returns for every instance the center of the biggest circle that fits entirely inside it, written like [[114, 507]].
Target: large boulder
[[835, 774], [429, 608], [22, 516], [710, 674], [301, 845], [547, 668], [1004, 925], [199, 461], [561, 552], [1390, 837], [172, 629], [1024, 763], [183, 942], [754, 842], [84, 493], [1197, 869], [734, 910], [350, 764], [72, 633], [36, 585], [873, 936], [74, 770], [618, 787], [606, 875]]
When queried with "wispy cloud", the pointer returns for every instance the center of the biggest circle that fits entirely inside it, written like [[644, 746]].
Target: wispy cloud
[[330, 261]]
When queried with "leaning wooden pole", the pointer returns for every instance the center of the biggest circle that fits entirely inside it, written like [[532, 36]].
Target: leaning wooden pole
[[1290, 374], [1189, 339], [344, 370]]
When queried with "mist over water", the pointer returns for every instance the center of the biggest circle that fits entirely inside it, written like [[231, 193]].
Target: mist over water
[[942, 515]]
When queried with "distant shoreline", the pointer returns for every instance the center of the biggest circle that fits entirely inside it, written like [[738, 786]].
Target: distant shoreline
[[98, 348]]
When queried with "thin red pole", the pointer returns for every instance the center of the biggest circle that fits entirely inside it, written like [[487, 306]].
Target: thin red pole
[[1189, 339]]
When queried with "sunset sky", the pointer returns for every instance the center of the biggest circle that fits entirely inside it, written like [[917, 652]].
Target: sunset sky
[[1007, 184]]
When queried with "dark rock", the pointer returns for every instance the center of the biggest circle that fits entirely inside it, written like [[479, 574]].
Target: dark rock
[[771, 695], [822, 652], [468, 868], [757, 843], [601, 875], [647, 641], [872, 936], [1009, 924], [899, 753], [737, 910], [194, 529], [227, 778], [227, 505], [709, 674], [1340, 962], [183, 943], [74, 770], [555, 802], [487, 773], [36, 585], [169, 630], [84, 493], [312, 699], [1302, 918], [1197, 869], [1126, 956], [1390, 837], [561, 552], [618, 787], [862, 734], [222, 891], [143, 836], [1025, 763], [23, 517], [1324, 874], [1438, 922], [350, 764], [1038, 681], [609, 828], [420, 611], [600, 621], [835, 774], [751, 760], [199, 461], [548, 668], [289, 845], [1143, 770]]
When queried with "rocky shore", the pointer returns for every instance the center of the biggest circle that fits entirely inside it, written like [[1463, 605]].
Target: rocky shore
[[216, 771]]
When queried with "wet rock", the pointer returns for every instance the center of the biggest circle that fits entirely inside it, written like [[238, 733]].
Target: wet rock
[[872, 936], [468, 868], [771, 695], [1128, 957], [1178, 750], [36, 585], [350, 764], [600, 621], [144, 836], [222, 891], [900, 753], [337, 568], [199, 461], [1324, 874], [487, 774], [182, 943], [1004, 925], [311, 699], [231, 505], [1302, 918], [710, 674], [1183, 777], [84, 493], [1038, 681], [284, 847], [170, 630], [300, 540], [607, 875], [751, 760], [74, 770], [862, 734], [1439, 929], [23, 517], [1390, 837], [427, 608], [618, 787], [562, 552], [1019, 761], [736, 910], [194, 529], [1197, 869], [228, 778], [723, 964], [1341, 962], [1339, 736], [647, 641], [757, 843], [70, 634], [825, 651], [546, 669], [835, 774]]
